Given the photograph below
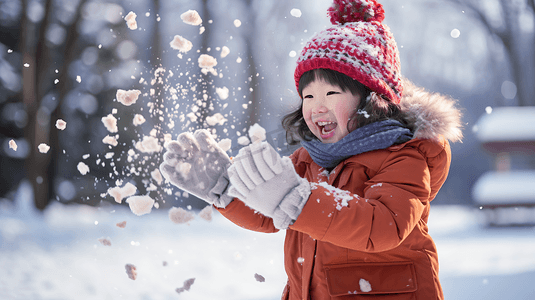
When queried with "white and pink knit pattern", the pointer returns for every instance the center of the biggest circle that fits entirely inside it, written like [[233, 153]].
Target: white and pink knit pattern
[[363, 50]]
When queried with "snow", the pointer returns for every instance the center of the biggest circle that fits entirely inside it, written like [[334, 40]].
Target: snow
[[56, 255], [181, 44], [110, 122], [82, 168], [43, 148], [365, 285], [131, 271], [131, 20], [257, 133], [222, 92], [295, 12], [507, 124], [191, 17], [178, 215], [110, 140], [225, 144], [61, 124], [237, 23], [206, 213], [225, 51], [13, 145], [119, 193], [140, 205], [127, 98], [138, 120]]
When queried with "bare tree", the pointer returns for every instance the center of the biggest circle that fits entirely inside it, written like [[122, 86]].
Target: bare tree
[[511, 36]]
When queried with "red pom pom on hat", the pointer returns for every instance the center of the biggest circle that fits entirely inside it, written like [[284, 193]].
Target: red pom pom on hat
[[345, 11]]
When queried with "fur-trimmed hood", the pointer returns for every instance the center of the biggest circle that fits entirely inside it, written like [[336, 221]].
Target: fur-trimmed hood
[[432, 114]]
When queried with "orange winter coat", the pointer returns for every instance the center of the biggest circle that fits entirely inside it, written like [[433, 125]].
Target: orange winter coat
[[369, 236]]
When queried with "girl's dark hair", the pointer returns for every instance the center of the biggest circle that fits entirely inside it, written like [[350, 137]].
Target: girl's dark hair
[[371, 108]]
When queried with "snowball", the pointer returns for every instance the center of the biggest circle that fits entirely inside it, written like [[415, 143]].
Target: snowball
[[257, 133], [222, 92], [207, 61], [121, 224], [110, 140], [131, 20], [82, 168], [295, 12], [110, 122], [119, 193], [138, 119], [60, 124], [237, 23], [78, 79], [43, 148], [181, 44], [216, 119], [127, 98], [140, 205], [243, 140], [13, 145], [225, 51], [178, 215], [225, 144], [187, 285], [259, 277], [131, 271], [191, 17], [455, 33], [206, 213], [156, 175], [149, 144], [365, 286], [105, 241]]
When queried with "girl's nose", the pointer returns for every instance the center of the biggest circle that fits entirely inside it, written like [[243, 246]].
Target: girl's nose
[[319, 109]]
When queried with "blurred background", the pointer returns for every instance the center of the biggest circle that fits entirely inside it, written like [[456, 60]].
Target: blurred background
[[66, 59]]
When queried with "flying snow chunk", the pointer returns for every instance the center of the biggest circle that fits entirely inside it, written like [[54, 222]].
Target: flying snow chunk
[[292, 53], [243, 140], [237, 23], [225, 144], [216, 119], [43, 148], [149, 144], [131, 20], [110, 140], [140, 205], [156, 175], [119, 193], [257, 133], [178, 215], [365, 285], [455, 33], [191, 17], [187, 285], [181, 44], [207, 61], [127, 98], [138, 120], [82, 168], [131, 271], [110, 122], [105, 241], [225, 51], [206, 213], [295, 12], [222, 92], [60, 124], [121, 224], [13, 145], [259, 277], [78, 79]]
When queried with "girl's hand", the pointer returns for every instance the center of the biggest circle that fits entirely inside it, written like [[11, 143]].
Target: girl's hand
[[197, 165], [268, 183]]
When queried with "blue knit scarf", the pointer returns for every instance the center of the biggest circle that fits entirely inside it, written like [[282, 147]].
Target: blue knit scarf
[[374, 136]]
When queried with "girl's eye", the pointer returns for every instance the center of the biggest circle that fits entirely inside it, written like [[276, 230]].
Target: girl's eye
[[308, 97], [332, 93]]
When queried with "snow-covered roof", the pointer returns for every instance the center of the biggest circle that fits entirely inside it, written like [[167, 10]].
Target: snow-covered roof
[[513, 187], [507, 124]]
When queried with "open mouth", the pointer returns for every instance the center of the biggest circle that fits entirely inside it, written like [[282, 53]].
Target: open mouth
[[326, 128]]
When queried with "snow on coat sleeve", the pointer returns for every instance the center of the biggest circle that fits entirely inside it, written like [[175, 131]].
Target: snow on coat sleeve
[[242, 215], [392, 202]]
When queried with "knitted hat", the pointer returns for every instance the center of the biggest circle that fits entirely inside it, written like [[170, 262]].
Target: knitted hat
[[357, 45]]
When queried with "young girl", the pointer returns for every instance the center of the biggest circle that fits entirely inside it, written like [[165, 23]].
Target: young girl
[[355, 199]]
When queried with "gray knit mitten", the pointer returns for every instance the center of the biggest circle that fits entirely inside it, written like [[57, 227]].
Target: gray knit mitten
[[268, 183], [197, 165]]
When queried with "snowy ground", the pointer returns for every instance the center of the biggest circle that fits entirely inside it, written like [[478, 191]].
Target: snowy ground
[[57, 255]]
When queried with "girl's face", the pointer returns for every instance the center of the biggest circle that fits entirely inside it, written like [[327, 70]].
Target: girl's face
[[327, 109]]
